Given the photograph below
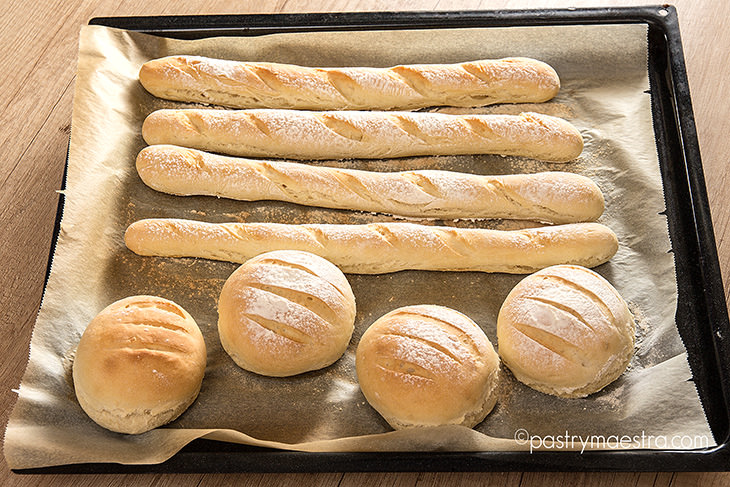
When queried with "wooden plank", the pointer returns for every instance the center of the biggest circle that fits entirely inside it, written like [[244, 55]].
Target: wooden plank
[[469, 479], [660, 479], [272, 480], [587, 479], [373, 479], [701, 479]]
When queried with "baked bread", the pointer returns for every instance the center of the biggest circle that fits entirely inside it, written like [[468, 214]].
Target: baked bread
[[286, 312], [269, 85], [565, 331], [552, 197], [378, 248], [139, 364], [427, 366], [367, 135]]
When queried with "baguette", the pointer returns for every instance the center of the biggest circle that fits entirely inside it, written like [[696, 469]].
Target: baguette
[[552, 197], [379, 248], [268, 85], [343, 135]]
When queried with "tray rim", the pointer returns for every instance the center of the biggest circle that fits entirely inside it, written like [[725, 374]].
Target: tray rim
[[217, 457]]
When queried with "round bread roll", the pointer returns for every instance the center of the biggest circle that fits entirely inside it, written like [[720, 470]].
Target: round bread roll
[[427, 366], [565, 331], [286, 312], [139, 364]]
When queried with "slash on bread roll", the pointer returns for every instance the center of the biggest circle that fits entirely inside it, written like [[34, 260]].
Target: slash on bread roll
[[565, 331], [270, 85], [286, 312], [139, 364], [427, 366], [552, 197], [379, 248], [365, 135]]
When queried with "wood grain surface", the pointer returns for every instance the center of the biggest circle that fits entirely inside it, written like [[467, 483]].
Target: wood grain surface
[[40, 41]]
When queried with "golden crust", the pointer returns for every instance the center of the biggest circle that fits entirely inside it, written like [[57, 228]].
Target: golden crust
[[286, 312], [427, 365], [139, 364], [298, 134], [565, 331], [378, 248], [553, 197], [271, 85]]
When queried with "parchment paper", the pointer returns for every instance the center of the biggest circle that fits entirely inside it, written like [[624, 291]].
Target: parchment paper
[[604, 93]]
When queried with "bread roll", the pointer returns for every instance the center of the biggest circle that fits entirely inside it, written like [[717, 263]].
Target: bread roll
[[139, 364], [427, 366], [269, 85], [367, 135], [553, 197], [565, 331], [286, 312], [379, 248]]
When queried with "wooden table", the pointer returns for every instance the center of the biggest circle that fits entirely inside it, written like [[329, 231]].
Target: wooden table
[[40, 44]]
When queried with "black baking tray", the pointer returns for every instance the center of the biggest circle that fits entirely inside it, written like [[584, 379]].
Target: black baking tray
[[702, 316]]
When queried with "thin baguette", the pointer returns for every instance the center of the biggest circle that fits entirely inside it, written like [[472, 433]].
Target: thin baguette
[[269, 85], [343, 135], [552, 197], [379, 248]]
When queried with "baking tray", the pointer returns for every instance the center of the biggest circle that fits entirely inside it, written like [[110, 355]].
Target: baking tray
[[702, 317]]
